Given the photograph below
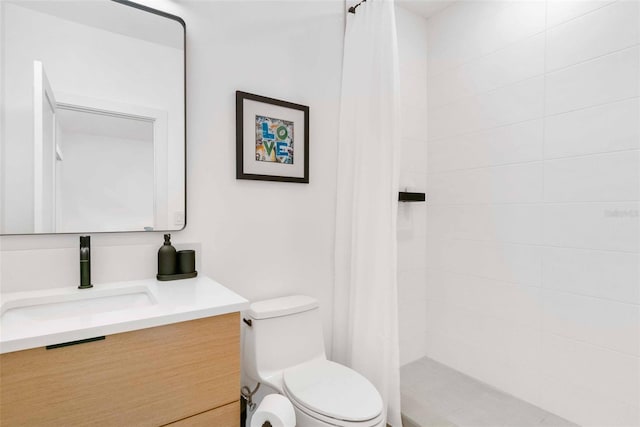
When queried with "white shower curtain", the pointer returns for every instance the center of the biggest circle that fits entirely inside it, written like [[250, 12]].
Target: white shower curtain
[[365, 332]]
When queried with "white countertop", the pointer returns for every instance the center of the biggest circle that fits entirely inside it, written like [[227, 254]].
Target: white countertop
[[164, 303]]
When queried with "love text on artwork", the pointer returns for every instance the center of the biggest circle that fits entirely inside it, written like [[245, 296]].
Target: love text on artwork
[[269, 140], [274, 140]]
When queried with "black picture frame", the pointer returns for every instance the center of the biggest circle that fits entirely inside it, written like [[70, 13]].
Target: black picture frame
[[249, 140]]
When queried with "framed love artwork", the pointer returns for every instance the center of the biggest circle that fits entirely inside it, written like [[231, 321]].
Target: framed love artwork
[[272, 139]]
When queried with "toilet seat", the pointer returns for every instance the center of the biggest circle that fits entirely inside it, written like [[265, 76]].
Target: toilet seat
[[333, 393]]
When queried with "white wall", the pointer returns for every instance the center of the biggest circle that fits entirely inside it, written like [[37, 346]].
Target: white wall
[[79, 60], [533, 228], [412, 53], [260, 239]]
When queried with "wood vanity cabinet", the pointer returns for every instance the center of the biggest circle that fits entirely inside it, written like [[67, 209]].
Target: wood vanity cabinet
[[182, 374]]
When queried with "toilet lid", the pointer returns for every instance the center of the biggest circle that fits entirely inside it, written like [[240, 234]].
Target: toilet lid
[[333, 390]]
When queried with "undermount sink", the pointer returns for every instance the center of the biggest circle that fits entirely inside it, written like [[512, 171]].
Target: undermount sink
[[38, 318], [76, 303]]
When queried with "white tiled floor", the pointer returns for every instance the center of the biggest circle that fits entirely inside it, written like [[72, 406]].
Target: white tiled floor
[[436, 395]]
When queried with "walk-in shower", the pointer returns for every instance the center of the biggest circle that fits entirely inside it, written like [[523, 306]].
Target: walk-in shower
[[521, 271]]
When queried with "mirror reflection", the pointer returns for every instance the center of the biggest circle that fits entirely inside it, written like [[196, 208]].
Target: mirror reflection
[[92, 117]]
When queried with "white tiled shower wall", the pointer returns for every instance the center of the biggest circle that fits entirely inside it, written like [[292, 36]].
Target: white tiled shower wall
[[533, 281], [412, 271]]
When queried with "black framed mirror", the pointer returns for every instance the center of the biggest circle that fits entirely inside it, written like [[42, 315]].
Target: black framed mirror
[[93, 118]]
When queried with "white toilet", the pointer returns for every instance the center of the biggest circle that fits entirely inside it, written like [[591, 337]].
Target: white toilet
[[283, 349]]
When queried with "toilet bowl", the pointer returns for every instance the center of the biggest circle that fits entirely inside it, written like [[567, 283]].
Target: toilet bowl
[[283, 349]]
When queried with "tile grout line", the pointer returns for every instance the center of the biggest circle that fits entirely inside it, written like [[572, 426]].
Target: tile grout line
[[536, 203], [536, 245], [541, 215], [542, 288], [521, 325], [598, 346], [525, 38], [542, 160], [448, 69], [542, 74], [573, 110]]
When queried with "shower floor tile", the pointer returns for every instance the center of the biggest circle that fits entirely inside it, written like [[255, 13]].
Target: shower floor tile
[[434, 395]]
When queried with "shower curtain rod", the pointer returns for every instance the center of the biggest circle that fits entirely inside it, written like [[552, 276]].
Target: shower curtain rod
[[352, 9]]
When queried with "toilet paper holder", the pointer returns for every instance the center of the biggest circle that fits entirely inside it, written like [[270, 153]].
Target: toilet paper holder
[[248, 396]]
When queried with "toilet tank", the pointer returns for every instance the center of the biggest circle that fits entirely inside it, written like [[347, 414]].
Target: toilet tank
[[284, 332]]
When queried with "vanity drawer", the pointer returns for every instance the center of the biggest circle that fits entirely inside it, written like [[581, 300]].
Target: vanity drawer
[[225, 416], [149, 377]]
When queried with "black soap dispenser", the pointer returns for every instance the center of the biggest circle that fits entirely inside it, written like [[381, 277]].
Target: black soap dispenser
[[167, 258]]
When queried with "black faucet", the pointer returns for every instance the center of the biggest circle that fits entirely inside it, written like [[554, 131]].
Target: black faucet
[[85, 262]]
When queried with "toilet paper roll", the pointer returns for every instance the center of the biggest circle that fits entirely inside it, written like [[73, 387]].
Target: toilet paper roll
[[276, 409]]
